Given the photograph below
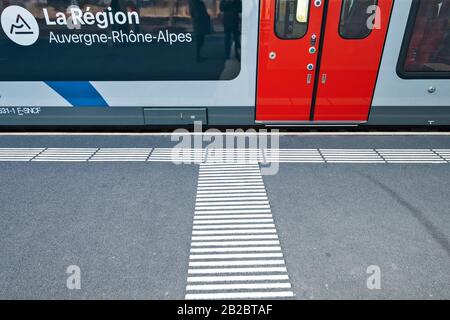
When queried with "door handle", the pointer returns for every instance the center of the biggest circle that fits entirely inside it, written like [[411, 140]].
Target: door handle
[[324, 78]]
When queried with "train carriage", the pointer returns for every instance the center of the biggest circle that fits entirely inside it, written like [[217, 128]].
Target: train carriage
[[225, 62]]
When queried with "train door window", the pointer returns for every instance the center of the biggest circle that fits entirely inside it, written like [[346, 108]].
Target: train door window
[[291, 19], [426, 47], [356, 21]]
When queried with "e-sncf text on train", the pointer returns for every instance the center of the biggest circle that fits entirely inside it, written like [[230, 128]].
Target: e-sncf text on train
[[224, 62]]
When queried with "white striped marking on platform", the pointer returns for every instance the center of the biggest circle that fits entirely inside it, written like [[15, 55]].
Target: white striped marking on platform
[[121, 154], [19, 154], [65, 154], [235, 250], [216, 172]]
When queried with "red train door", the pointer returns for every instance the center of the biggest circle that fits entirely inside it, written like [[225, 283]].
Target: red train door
[[289, 30], [329, 73], [350, 60]]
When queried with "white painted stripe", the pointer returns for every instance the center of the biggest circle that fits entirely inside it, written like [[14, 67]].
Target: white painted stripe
[[230, 157], [229, 179], [228, 207], [202, 185], [235, 237], [19, 152], [228, 151], [123, 153], [246, 278], [175, 154], [351, 156], [235, 256], [117, 155], [237, 270], [231, 192], [233, 211], [229, 182], [236, 203], [228, 194], [53, 155], [231, 171], [118, 160], [414, 161], [231, 185], [235, 226], [354, 161], [223, 221], [204, 173], [235, 263], [230, 154], [238, 182], [313, 160], [225, 164], [176, 159], [239, 295], [237, 159], [16, 155], [50, 153], [239, 286], [293, 157], [236, 168], [235, 243], [228, 168], [234, 188], [20, 157], [232, 216], [234, 231], [228, 175], [293, 161], [126, 149], [60, 159], [237, 249], [22, 150], [285, 157], [230, 199]]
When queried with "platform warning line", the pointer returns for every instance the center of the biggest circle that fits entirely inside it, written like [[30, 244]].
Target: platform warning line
[[224, 172], [235, 250]]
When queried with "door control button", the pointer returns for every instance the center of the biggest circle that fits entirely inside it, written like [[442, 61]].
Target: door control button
[[318, 3], [312, 50], [310, 67]]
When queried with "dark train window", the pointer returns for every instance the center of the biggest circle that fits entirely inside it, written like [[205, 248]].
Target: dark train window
[[291, 20], [357, 18], [426, 47], [120, 40]]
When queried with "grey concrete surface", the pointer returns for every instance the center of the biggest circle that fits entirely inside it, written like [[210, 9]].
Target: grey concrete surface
[[335, 221], [128, 225]]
